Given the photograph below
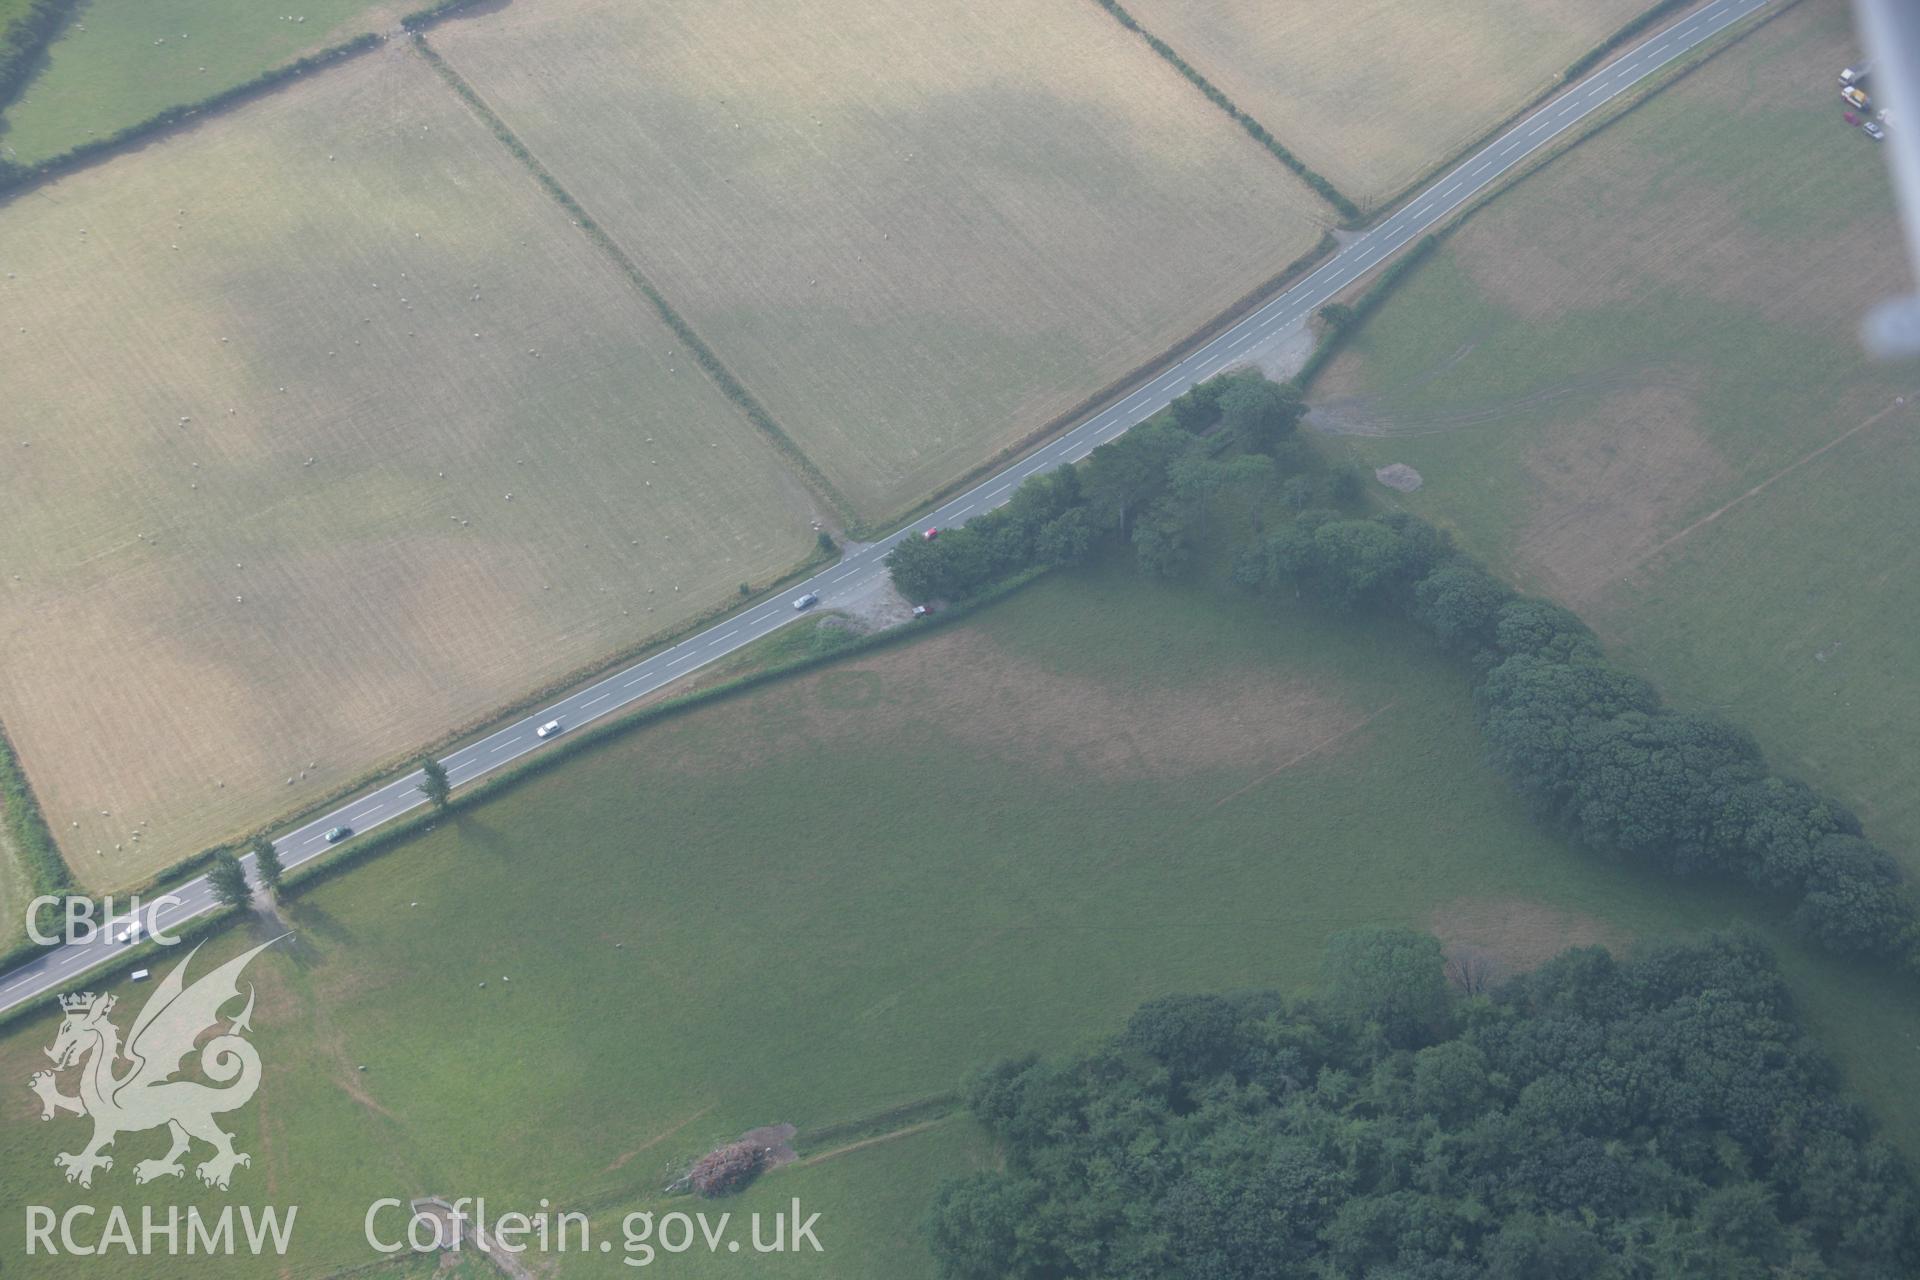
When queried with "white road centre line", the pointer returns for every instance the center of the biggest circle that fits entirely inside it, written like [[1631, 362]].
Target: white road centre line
[[1324, 283]]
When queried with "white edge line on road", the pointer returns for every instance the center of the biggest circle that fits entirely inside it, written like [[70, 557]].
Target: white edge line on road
[[1326, 281]]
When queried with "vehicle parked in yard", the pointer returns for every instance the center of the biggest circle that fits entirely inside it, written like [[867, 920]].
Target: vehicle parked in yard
[[1857, 98], [1856, 74], [1849, 117], [547, 730], [923, 611], [1873, 131]]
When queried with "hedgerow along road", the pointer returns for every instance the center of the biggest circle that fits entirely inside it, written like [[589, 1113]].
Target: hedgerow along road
[[54, 969]]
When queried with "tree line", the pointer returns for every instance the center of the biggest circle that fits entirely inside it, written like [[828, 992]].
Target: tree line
[[23, 41], [1657, 1119], [1590, 745], [13, 176], [1159, 486]]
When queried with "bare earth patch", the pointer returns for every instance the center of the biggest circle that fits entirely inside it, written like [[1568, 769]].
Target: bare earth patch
[[1603, 495], [1398, 475], [972, 689], [1520, 933], [778, 1141]]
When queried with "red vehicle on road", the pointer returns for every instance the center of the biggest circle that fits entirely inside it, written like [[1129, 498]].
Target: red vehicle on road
[[929, 535]]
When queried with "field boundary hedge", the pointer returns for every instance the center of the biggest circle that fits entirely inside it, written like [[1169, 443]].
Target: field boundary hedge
[[15, 178], [25, 39], [1627, 31], [1255, 130], [709, 361], [1577, 68], [935, 1106], [1114, 391], [195, 863], [46, 871], [310, 874], [1337, 336], [1375, 294], [146, 953]]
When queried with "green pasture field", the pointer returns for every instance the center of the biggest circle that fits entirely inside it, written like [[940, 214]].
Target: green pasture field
[[916, 232], [326, 434], [1374, 94], [15, 890], [1634, 383], [119, 62], [829, 897]]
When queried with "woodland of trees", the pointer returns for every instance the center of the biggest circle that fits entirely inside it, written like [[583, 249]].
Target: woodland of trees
[[1594, 1120]]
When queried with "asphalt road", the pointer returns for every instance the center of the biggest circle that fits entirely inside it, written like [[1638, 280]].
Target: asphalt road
[[56, 970]]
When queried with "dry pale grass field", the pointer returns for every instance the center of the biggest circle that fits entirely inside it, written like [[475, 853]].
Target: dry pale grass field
[[268, 387], [1373, 93], [916, 230]]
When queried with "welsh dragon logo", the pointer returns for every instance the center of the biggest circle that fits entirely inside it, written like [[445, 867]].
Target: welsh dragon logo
[[146, 1095]]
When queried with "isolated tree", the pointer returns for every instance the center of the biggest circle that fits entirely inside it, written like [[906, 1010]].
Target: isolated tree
[[266, 864], [434, 785], [228, 879]]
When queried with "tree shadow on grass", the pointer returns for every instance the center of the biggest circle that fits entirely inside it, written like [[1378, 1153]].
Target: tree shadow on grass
[[479, 836], [309, 925]]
